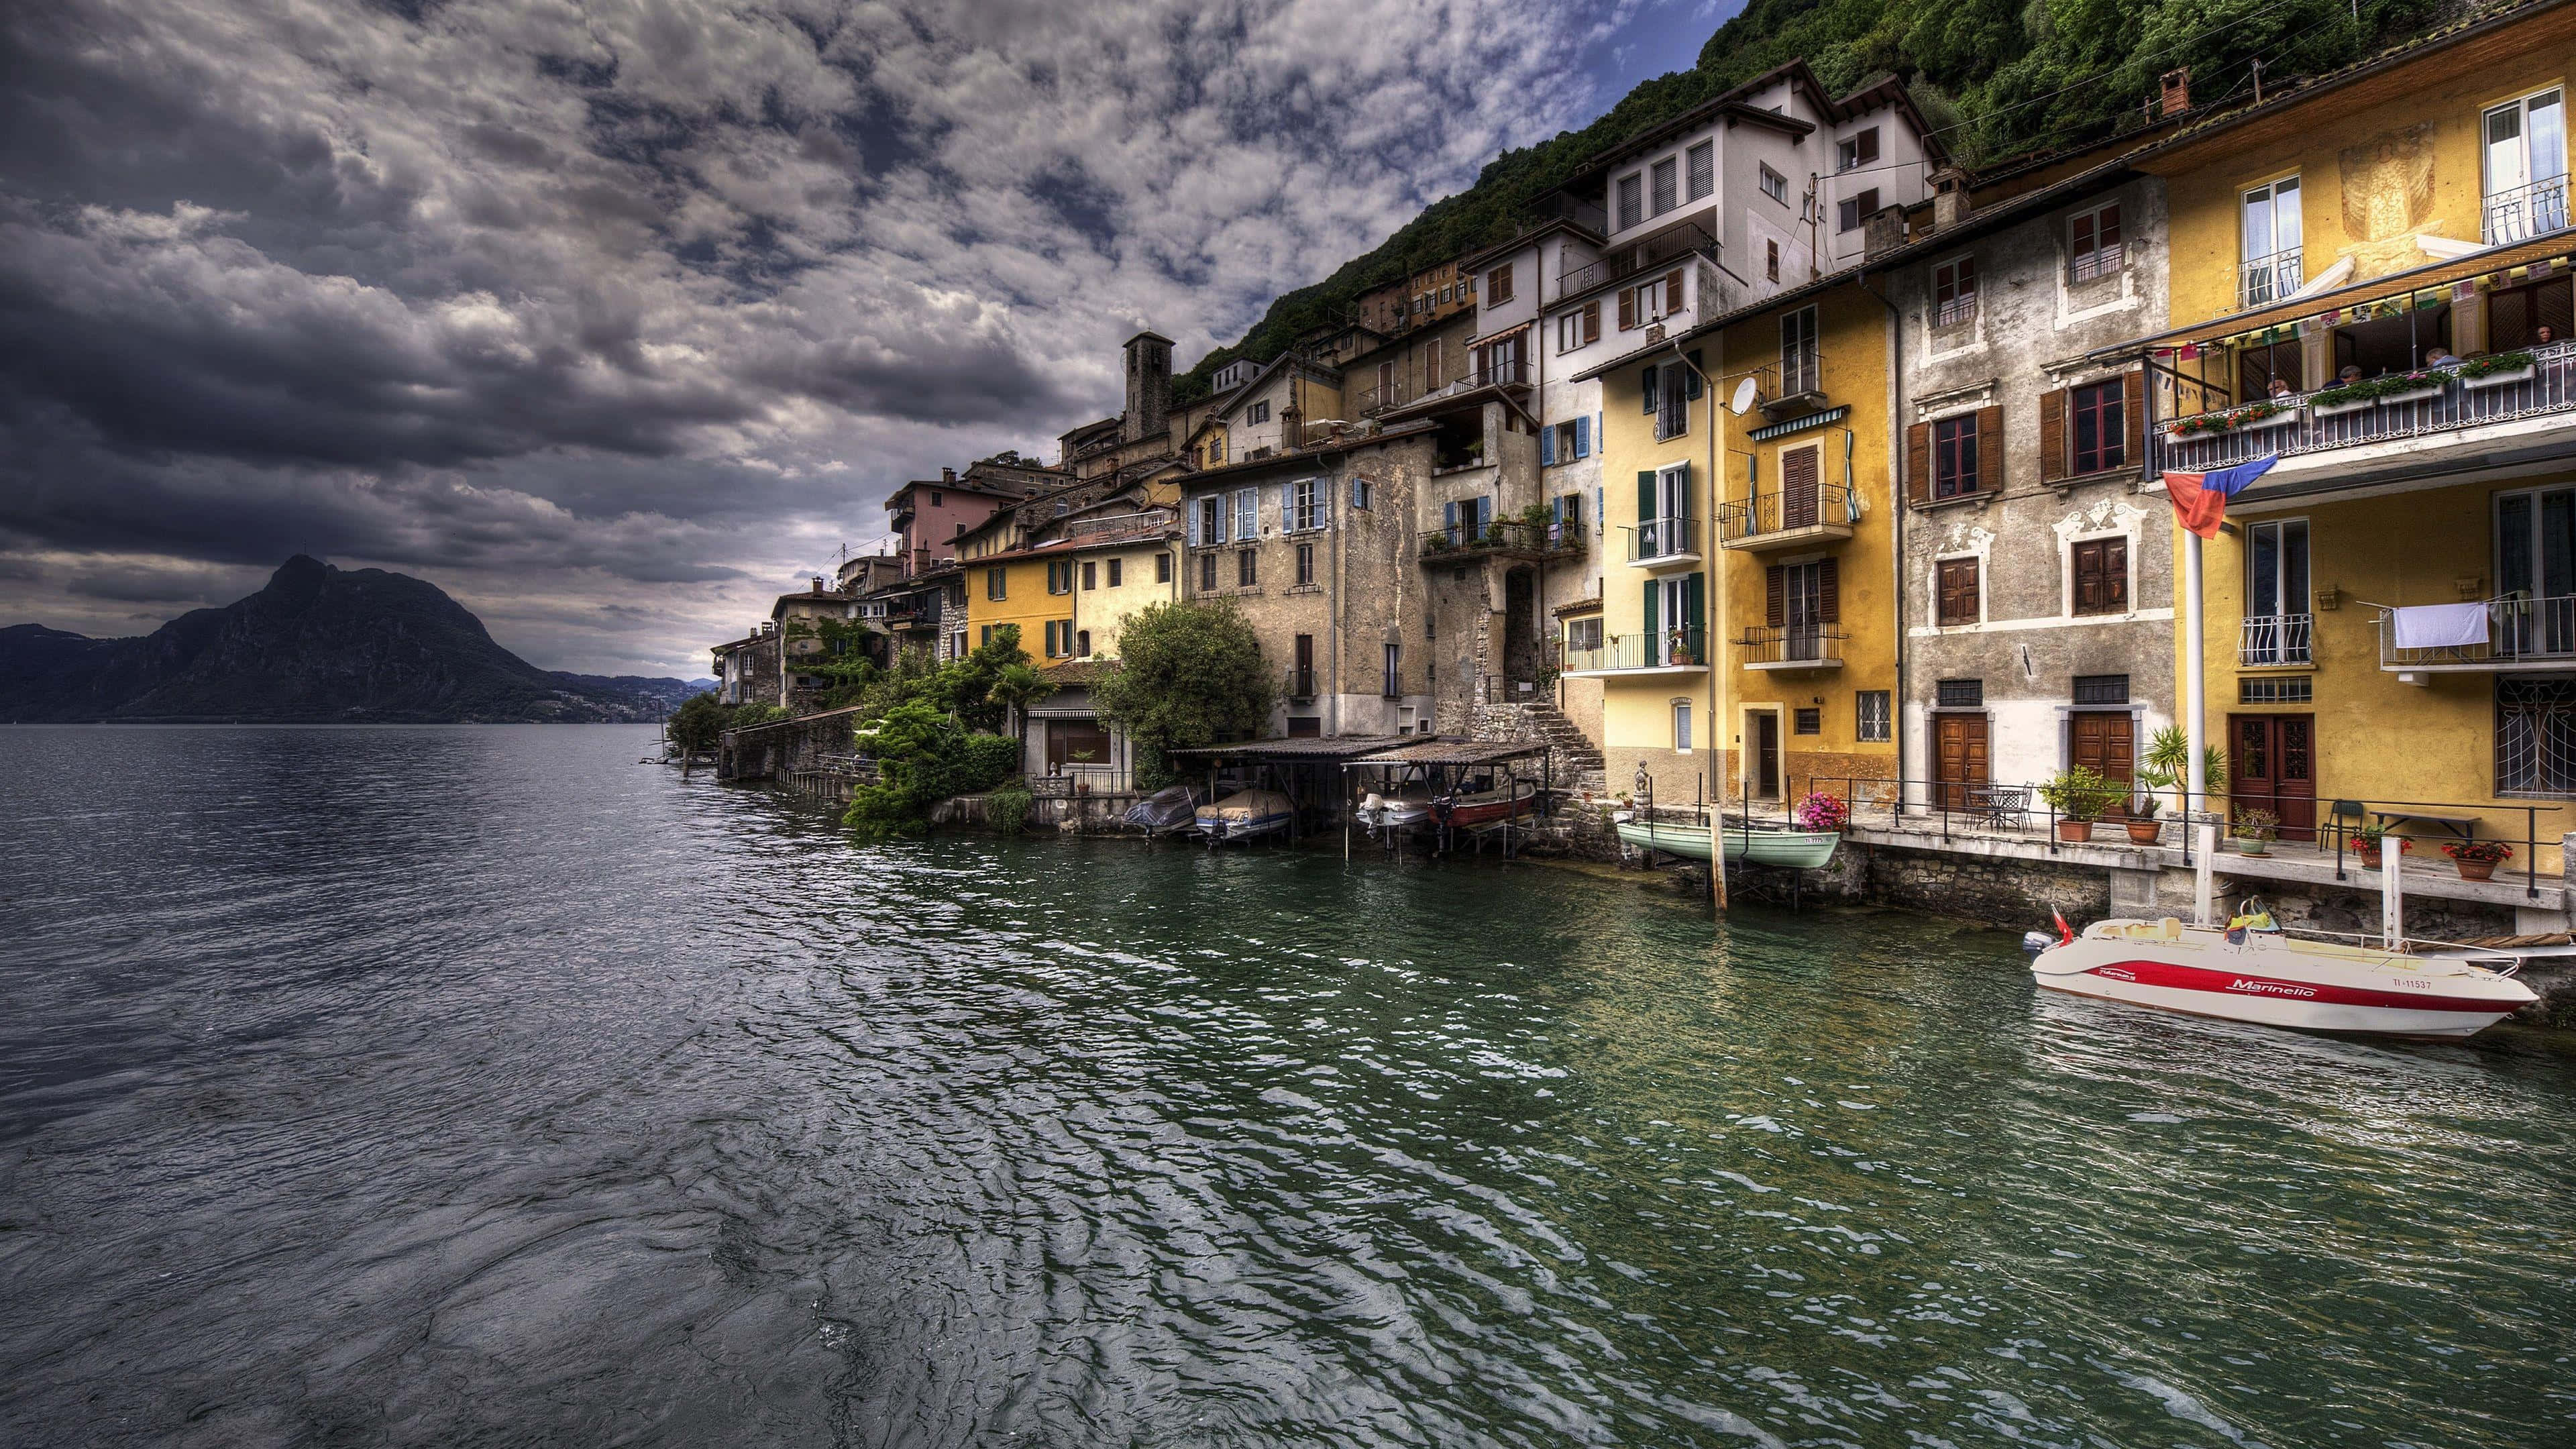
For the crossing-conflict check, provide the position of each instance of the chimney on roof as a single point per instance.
(2177, 91)
(1949, 198)
(818, 583)
(1149, 387)
(947, 475)
(1882, 232)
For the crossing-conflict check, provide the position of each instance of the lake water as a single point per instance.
(482, 1085)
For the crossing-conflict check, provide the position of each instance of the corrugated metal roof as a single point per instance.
(1445, 751)
(1319, 748)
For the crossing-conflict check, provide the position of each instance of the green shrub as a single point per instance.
(1007, 810)
(923, 757)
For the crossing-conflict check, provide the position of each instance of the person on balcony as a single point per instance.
(2351, 374)
(2441, 356)
(2280, 387)
(2543, 335)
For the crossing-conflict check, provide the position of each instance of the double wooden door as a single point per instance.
(2271, 765)
(1959, 756)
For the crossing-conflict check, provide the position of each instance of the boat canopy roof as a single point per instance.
(1316, 749)
(1447, 751)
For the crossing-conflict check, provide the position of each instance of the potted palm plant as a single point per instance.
(2079, 795)
(2166, 765)
(2254, 830)
(2144, 827)
(2478, 859)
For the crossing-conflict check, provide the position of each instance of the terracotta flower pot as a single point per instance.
(2075, 832)
(2476, 869)
(2145, 832)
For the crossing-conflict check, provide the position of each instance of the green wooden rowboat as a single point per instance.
(1798, 849)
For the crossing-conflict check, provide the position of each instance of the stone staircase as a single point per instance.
(1578, 762)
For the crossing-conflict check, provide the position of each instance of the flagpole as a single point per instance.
(2196, 772)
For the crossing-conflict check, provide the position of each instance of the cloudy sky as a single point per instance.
(612, 319)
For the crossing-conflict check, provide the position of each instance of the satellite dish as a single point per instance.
(1745, 392)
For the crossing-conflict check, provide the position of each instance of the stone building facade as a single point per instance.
(2037, 575)
(1317, 548)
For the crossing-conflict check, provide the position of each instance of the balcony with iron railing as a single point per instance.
(1668, 650)
(1792, 647)
(1108, 528)
(2524, 212)
(2262, 281)
(1661, 543)
(2275, 641)
(1671, 244)
(1517, 537)
(2521, 631)
(1557, 206)
(2443, 399)
(1819, 512)
(1299, 685)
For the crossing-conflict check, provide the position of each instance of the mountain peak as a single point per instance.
(299, 580)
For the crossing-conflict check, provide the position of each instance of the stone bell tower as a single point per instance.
(1149, 386)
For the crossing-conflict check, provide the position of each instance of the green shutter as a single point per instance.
(1645, 495)
(1654, 622)
(1648, 386)
(1689, 499)
(1694, 602)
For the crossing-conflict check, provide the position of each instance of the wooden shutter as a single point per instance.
(2133, 417)
(1918, 463)
(1775, 596)
(1627, 309)
(2088, 578)
(1798, 488)
(1583, 436)
(1990, 449)
(1958, 591)
(2115, 576)
(2052, 435)
(1652, 375)
(1829, 591)
(1645, 495)
(1695, 604)
(1547, 446)
(1654, 622)
(1673, 291)
(1691, 375)
(1591, 322)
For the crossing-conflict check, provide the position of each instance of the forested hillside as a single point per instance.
(2000, 77)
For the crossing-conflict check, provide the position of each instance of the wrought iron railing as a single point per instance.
(2299, 423)
(1300, 682)
(1664, 649)
(1512, 534)
(2099, 262)
(2272, 640)
(1792, 644)
(1785, 511)
(1676, 536)
(1627, 261)
(2525, 212)
(2520, 629)
(2261, 281)
(1557, 206)
(1957, 310)
(1802, 370)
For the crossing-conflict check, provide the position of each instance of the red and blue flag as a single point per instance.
(2200, 499)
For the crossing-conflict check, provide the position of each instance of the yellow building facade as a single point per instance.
(2389, 617)
(1748, 643)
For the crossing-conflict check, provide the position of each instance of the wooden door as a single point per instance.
(2271, 765)
(2106, 742)
(1958, 756)
(1766, 755)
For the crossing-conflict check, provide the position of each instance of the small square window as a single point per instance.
(1807, 721)
(1775, 185)
(1962, 693)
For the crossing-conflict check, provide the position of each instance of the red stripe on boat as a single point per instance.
(2234, 983)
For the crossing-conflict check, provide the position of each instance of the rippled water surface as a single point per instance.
(485, 1086)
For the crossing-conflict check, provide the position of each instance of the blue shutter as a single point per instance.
(1583, 436)
(1449, 519)
(1600, 508)
(1547, 447)
(1194, 523)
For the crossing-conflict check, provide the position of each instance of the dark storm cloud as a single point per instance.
(618, 318)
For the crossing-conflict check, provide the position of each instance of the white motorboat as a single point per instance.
(1244, 814)
(2272, 978)
(1407, 807)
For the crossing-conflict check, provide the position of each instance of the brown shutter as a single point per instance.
(1673, 290)
(1829, 591)
(1918, 463)
(1591, 321)
(1775, 605)
(1627, 310)
(2133, 418)
(2052, 435)
(2088, 578)
(2115, 576)
(1990, 450)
